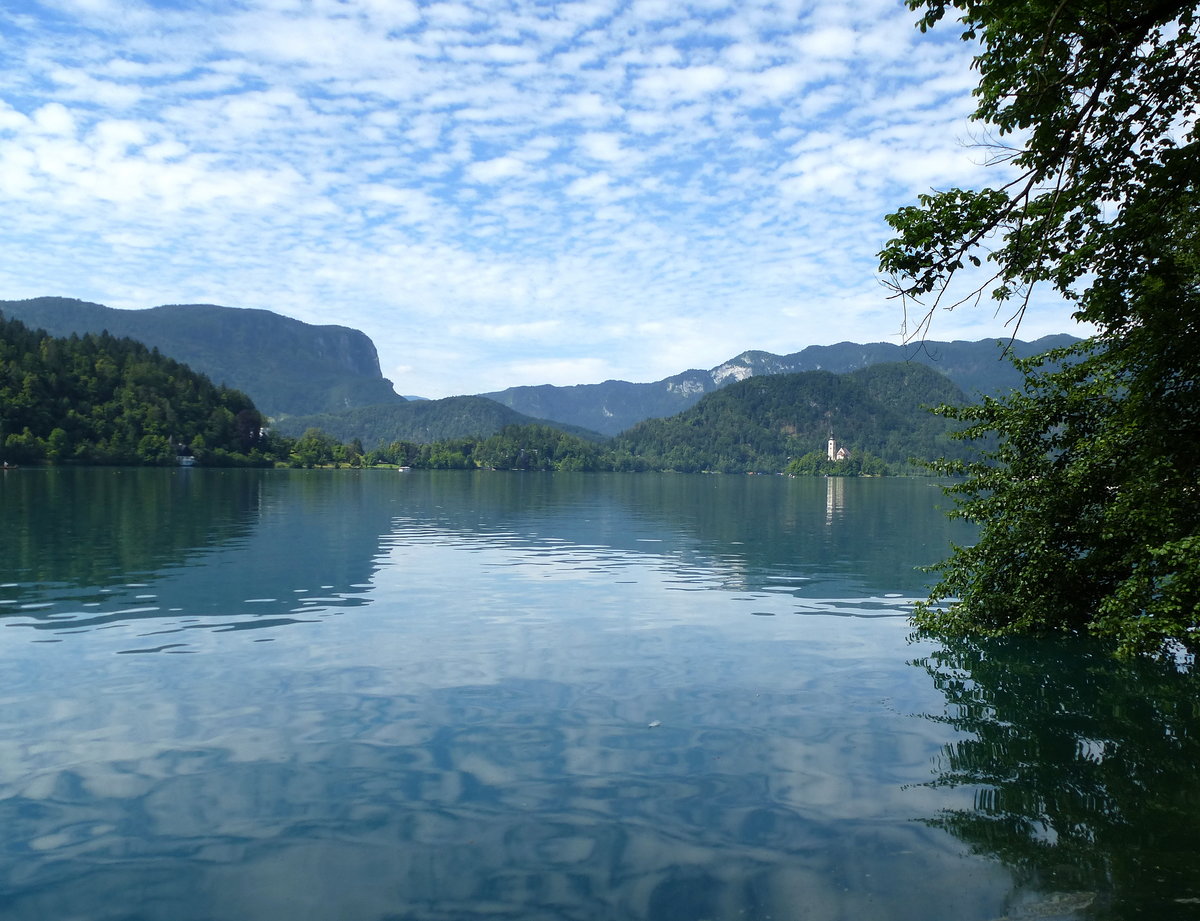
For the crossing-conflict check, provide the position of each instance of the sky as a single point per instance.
(497, 193)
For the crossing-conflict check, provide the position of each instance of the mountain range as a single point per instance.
(611, 407)
(419, 421)
(304, 375)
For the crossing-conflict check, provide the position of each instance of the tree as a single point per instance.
(1089, 504)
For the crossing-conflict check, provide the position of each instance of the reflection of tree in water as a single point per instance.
(97, 526)
(1085, 768)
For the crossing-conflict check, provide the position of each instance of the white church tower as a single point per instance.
(832, 448)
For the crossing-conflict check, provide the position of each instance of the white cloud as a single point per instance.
(587, 106)
(11, 119)
(589, 186)
(682, 81)
(602, 146)
(557, 371)
(831, 42)
(77, 85)
(391, 14)
(495, 169)
(503, 332)
(54, 118)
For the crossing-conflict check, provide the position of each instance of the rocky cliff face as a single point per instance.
(287, 367)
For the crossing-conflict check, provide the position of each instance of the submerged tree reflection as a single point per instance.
(1084, 769)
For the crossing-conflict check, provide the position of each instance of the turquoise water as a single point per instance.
(371, 695)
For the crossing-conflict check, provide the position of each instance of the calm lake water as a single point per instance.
(352, 695)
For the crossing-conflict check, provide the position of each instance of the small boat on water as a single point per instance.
(404, 469)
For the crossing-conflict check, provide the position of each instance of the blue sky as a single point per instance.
(497, 193)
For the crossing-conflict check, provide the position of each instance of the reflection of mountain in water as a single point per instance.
(1084, 769)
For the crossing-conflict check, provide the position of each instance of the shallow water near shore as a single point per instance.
(374, 695)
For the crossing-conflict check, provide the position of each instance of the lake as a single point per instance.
(375, 695)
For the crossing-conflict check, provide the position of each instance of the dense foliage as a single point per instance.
(514, 447)
(101, 400)
(764, 423)
(1089, 506)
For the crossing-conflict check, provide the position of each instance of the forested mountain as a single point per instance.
(763, 423)
(418, 421)
(102, 400)
(285, 366)
(613, 406)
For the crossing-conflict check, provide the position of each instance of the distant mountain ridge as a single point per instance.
(420, 421)
(285, 366)
(614, 406)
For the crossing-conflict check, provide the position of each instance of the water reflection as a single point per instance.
(108, 527)
(87, 549)
(358, 793)
(477, 696)
(1082, 770)
(195, 550)
(835, 498)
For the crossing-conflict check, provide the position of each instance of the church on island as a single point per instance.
(836, 453)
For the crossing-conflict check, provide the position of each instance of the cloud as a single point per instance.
(495, 169)
(595, 185)
(55, 119)
(504, 332)
(682, 81)
(559, 372)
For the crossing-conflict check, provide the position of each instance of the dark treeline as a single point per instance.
(514, 447)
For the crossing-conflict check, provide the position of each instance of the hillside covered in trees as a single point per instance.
(764, 423)
(773, 424)
(419, 421)
(101, 400)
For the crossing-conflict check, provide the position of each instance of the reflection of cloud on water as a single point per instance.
(529, 798)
